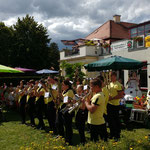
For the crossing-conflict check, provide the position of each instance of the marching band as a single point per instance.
(57, 100)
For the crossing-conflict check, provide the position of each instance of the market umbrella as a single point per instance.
(114, 63)
(5, 69)
(25, 69)
(46, 71)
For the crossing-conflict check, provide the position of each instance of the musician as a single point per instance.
(116, 93)
(22, 101)
(31, 101)
(81, 115)
(64, 119)
(96, 108)
(106, 95)
(40, 104)
(51, 102)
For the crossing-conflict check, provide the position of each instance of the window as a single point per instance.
(133, 32)
(141, 30)
(147, 29)
(140, 42)
(143, 78)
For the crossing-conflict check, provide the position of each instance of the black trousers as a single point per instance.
(22, 106)
(39, 111)
(80, 123)
(51, 116)
(65, 120)
(114, 121)
(31, 109)
(98, 130)
(60, 123)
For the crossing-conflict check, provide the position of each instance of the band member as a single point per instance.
(40, 104)
(31, 102)
(22, 101)
(96, 108)
(116, 93)
(64, 119)
(51, 103)
(81, 116)
(106, 95)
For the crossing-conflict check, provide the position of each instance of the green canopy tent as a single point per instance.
(5, 69)
(114, 63)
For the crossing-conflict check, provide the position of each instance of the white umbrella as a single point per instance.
(46, 71)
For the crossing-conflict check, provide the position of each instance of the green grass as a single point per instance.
(14, 136)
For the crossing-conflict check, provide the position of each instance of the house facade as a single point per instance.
(113, 38)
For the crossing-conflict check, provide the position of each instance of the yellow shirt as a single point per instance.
(19, 97)
(114, 88)
(54, 93)
(96, 118)
(42, 89)
(28, 96)
(69, 93)
(106, 95)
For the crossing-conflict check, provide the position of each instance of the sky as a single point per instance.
(72, 19)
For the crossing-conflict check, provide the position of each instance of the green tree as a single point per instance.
(6, 35)
(53, 56)
(30, 46)
(73, 71)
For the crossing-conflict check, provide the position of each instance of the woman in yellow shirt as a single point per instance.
(65, 119)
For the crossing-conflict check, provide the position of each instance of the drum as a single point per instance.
(138, 115)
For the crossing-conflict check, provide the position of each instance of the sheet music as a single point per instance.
(47, 94)
(54, 86)
(85, 87)
(66, 99)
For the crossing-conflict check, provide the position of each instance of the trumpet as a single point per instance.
(77, 104)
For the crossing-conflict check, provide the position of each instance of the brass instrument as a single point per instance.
(66, 108)
(77, 104)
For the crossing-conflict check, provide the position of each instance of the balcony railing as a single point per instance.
(71, 52)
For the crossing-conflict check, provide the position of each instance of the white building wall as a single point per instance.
(142, 54)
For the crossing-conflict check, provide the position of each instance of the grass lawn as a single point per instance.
(14, 136)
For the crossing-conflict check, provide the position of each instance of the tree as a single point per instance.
(73, 71)
(30, 47)
(53, 56)
(6, 35)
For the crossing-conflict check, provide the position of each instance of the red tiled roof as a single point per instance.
(101, 33)
(110, 30)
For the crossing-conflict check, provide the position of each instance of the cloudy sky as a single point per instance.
(71, 19)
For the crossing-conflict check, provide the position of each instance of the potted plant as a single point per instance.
(105, 45)
(138, 38)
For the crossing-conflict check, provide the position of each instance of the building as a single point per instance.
(112, 38)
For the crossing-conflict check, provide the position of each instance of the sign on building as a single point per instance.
(122, 45)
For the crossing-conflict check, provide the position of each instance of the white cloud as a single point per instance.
(71, 19)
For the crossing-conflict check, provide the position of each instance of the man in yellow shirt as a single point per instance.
(96, 108)
(115, 94)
